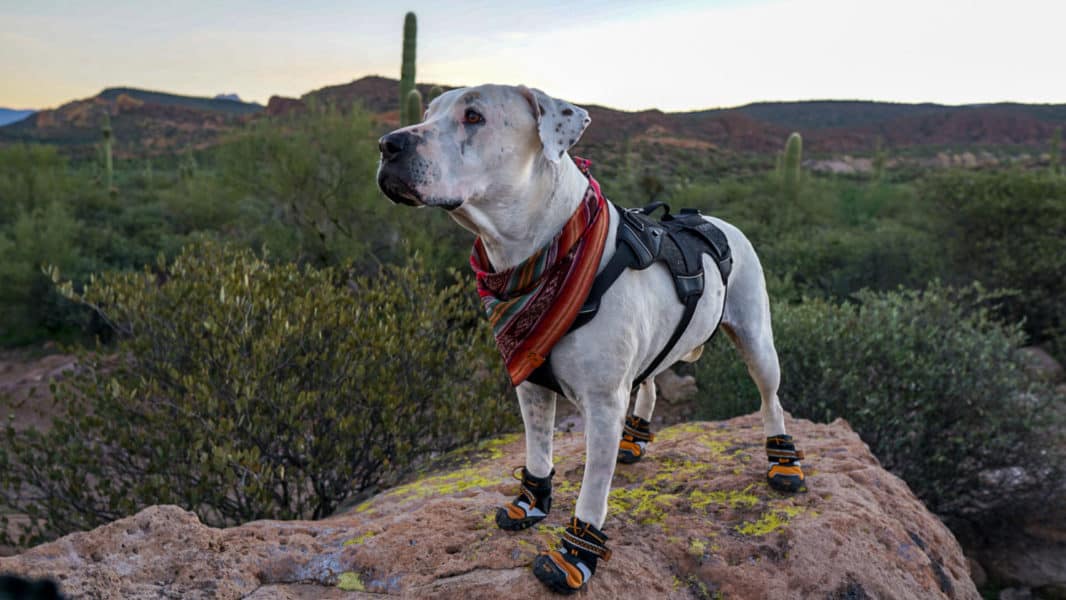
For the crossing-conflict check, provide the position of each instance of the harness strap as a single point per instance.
(686, 318)
(623, 257)
(632, 252)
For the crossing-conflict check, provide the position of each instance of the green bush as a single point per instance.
(36, 227)
(1008, 229)
(929, 380)
(242, 390)
(316, 174)
(837, 262)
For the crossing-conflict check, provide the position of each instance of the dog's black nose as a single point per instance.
(393, 144)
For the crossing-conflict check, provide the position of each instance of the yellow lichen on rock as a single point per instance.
(494, 446)
(448, 483)
(361, 539)
(770, 521)
(700, 499)
(350, 582)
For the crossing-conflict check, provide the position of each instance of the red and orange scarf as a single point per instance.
(532, 305)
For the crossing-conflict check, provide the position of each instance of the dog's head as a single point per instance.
(476, 143)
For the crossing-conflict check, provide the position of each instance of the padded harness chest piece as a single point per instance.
(679, 242)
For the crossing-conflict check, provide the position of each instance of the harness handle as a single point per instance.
(654, 206)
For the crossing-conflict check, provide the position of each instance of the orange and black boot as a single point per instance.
(786, 472)
(635, 437)
(533, 503)
(567, 569)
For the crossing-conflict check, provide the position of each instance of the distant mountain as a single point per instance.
(192, 102)
(11, 115)
(145, 122)
(148, 122)
(376, 94)
(828, 126)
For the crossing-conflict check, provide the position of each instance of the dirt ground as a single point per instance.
(24, 396)
(24, 381)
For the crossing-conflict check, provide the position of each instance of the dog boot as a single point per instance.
(567, 569)
(635, 437)
(786, 473)
(533, 503)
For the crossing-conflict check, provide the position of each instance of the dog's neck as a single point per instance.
(523, 219)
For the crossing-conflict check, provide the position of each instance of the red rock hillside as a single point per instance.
(695, 520)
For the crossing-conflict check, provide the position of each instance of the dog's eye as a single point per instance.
(472, 117)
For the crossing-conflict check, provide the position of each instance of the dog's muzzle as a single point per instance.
(394, 151)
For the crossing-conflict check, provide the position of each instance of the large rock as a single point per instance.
(674, 388)
(1041, 365)
(694, 520)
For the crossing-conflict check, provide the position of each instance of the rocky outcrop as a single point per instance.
(1041, 365)
(279, 106)
(694, 520)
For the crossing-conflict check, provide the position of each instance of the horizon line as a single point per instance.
(583, 104)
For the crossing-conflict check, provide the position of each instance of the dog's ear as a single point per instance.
(559, 123)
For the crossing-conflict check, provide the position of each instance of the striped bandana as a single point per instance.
(533, 304)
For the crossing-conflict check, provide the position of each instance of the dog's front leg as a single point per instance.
(534, 497)
(568, 568)
(538, 415)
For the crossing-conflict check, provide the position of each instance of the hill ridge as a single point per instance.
(157, 122)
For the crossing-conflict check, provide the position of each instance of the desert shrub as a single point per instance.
(242, 389)
(315, 173)
(837, 262)
(1008, 229)
(36, 226)
(307, 188)
(928, 379)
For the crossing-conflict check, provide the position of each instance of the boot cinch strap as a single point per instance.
(637, 435)
(588, 541)
(535, 493)
(567, 569)
(780, 448)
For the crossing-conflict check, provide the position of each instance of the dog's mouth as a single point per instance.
(398, 190)
(401, 192)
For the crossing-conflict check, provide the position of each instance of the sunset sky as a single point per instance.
(626, 54)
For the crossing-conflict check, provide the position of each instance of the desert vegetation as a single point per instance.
(262, 335)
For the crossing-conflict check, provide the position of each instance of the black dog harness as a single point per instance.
(678, 241)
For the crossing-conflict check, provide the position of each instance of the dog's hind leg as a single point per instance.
(747, 323)
(637, 430)
(568, 568)
(535, 495)
(756, 345)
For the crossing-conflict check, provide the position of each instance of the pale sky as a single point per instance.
(626, 54)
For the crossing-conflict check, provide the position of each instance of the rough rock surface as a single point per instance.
(693, 520)
(1041, 364)
(674, 388)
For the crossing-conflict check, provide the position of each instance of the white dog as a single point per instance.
(495, 158)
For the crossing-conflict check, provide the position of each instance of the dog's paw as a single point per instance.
(635, 437)
(786, 472)
(630, 452)
(567, 569)
(787, 478)
(514, 518)
(558, 574)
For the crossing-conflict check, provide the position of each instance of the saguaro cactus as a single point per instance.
(413, 107)
(407, 68)
(790, 174)
(879, 160)
(434, 92)
(108, 166)
(1056, 151)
